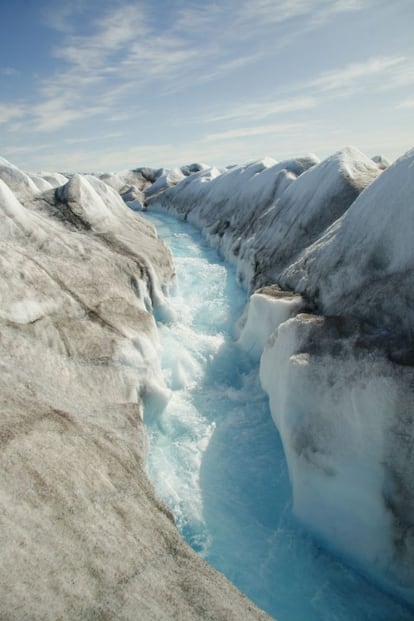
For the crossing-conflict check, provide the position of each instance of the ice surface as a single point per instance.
(338, 233)
(81, 280)
(53, 178)
(190, 169)
(82, 534)
(381, 161)
(267, 309)
(10, 206)
(217, 460)
(18, 181)
(363, 264)
(336, 407)
(263, 214)
(167, 178)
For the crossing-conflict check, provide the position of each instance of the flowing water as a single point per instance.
(217, 461)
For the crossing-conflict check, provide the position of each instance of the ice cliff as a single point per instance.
(82, 534)
(326, 250)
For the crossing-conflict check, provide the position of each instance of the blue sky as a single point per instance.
(107, 85)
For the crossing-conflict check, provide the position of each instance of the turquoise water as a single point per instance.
(217, 461)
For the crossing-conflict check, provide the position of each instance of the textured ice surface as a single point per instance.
(263, 214)
(82, 534)
(363, 265)
(266, 310)
(338, 233)
(218, 462)
(340, 407)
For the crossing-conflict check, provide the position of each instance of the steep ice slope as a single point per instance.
(82, 534)
(166, 179)
(340, 386)
(130, 184)
(308, 206)
(349, 443)
(364, 263)
(53, 178)
(135, 185)
(345, 415)
(19, 182)
(264, 214)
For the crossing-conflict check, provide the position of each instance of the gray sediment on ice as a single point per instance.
(82, 533)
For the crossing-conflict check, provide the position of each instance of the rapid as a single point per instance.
(217, 461)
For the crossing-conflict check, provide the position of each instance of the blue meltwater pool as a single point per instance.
(217, 461)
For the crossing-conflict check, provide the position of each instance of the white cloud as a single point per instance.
(56, 113)
(28, 148)
(257, 110)
(58, 15)
(11, 112)
(402, 76)
(89, 139)
(406, 104)
(113, 32)
(124, 52)
(8, 71)
(356, 75)
(259, 130)
(267, 12)
(195, 19)
(126, 63)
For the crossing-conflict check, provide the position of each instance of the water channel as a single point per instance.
(217, 461)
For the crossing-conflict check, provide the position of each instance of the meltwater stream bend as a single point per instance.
(217, 461)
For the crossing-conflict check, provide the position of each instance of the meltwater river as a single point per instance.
(217, 461)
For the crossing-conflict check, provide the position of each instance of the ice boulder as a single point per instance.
(190, 169)
(381, 161)
(133, 197)
(167, 178)
(127, 179)
(266, 310)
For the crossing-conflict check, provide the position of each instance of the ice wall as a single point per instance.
(263, 214)
(266, 310)
(363, 264)
(336, 235)
(344, 412)
(82, 534)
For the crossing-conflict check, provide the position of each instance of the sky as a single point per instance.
(99, 85)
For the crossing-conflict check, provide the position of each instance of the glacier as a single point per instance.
(323, 250)
(336, 359)
(82, 532)
(216, 458)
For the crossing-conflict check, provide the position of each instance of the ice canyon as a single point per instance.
(322, 254)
